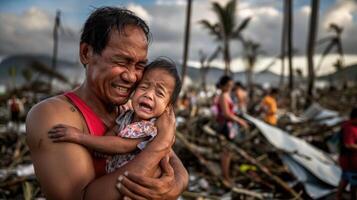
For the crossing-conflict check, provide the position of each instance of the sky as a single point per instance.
(26, 28)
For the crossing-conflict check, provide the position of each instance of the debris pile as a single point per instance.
(268, 162)
(17, 177)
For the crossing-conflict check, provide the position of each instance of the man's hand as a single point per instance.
(64, 133)
(140, 187)
(166, 126)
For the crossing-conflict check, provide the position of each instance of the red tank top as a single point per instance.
(220, 117)
(95, 126)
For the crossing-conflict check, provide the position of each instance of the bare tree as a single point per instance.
(289, 15)
(187, 40)
(314, 18)
(283, 44)
(55, 45)
(205, 62)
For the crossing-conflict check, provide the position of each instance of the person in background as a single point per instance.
(227, 121)
(15, 106)
(348, 156)
(269, 107)
(240, 94)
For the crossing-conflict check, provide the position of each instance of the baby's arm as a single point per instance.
(105, 144)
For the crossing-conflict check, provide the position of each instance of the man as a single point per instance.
(348, 156)
(113, 49)
(269, 107)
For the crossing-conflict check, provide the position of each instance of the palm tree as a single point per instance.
(12, 73)
(226, 28)
(251, 51)
(334, 41)
(205, 62)
(187, 40)
(311, 48)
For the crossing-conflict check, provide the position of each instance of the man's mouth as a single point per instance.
(120, 88)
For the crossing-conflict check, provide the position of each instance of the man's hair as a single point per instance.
(353, 114)
(169, 66)
(223, 81)
(102, 21)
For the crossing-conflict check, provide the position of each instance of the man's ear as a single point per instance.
(85, 53)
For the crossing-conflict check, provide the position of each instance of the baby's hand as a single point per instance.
(64, 133)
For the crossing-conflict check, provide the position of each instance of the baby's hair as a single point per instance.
(169, 66)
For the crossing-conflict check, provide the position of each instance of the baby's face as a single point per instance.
(153, 94)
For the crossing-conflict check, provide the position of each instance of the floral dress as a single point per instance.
(126, 129)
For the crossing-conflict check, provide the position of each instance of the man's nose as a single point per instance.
(129, 76)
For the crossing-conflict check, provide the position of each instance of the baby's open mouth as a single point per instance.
(145, 106)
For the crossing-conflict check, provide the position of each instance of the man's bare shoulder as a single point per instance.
(56, 103)
(63, 169)
(48, 113)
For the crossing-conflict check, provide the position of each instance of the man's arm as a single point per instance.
(352, 147)
(128, 183)
(105, 144)
(63, 169)
(168, 186)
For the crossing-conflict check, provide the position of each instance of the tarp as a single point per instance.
(317, 112)
(312, 159)
(314, 187)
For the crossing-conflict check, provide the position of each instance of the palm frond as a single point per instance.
(241, 27)
(222, 19)
(212, 28)
(214, 54)
(230, 15)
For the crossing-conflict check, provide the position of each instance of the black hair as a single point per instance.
(353, 114)
(169, 66)
(103, 20)
(274, 91)
(238, 84)
(223, 81)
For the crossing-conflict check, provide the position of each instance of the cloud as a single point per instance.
(31, 33)
(140, 11)
(171, 2)
(340, 13)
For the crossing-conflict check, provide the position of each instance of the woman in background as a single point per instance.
(228, 122)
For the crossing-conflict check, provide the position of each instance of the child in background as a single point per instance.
(156, 93)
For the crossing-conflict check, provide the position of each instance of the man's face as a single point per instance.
(113, 74)
(153, 94)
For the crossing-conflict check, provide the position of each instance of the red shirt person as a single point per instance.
(348, 156)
